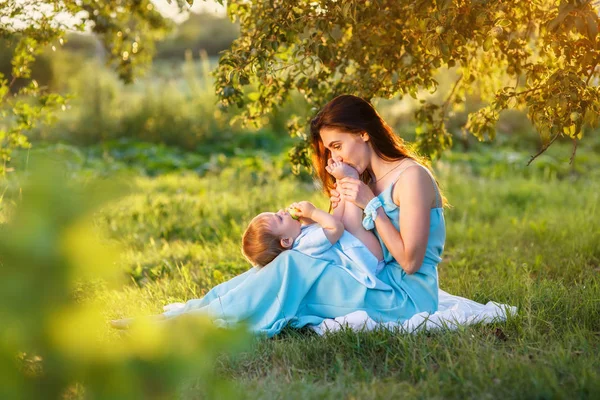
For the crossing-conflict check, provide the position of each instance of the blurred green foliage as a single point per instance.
(175, 106)
(126, 29)
(51, 68)
(200, 32)
(54, 340)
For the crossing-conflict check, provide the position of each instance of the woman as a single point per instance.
(393, 187)
(297, 289)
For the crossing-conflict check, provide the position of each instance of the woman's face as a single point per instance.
(352, 148)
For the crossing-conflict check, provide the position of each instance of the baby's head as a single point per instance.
(267, 235)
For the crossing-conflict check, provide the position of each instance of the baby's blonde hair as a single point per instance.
(259, 245)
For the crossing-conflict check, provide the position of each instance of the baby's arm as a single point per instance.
(338, 212)
(351, 215)
(332, 227)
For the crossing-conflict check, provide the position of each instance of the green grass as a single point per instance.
(527, 238)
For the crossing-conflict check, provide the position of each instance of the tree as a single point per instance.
(127, 29)
(537, 55)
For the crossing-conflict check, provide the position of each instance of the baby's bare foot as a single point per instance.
(126, 323)
(341, 170)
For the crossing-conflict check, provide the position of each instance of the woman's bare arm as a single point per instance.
(414, 192)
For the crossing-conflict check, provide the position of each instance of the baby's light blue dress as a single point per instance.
(348, 252)
(298, 289)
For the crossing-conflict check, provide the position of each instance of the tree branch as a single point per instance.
(543, 149)
(447, 102)
(527, 91)
(574, 150)
(10, 85)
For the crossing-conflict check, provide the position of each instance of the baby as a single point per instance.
(339, 237)
(305, 228)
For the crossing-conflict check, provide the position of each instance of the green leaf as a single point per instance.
(445, 49)
(488, 44)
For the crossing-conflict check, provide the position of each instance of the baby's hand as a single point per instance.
(339, 169)
(302, 209)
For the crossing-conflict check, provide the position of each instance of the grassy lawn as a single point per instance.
(527, 238)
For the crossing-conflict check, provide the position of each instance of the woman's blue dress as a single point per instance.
(297, 289)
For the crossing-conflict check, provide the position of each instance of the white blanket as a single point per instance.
(452, 312)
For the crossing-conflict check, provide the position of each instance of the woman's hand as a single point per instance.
(355, 191)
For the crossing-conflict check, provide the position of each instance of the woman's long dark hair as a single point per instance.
(355, 115)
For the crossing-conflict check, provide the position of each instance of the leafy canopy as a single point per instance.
(537, 55)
